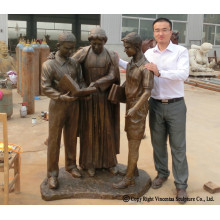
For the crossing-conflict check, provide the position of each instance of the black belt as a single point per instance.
(168, 101)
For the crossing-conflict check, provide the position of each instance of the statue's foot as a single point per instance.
(91, 172)
(113, 170)
(75, 172)
(124, 183)
(53, 182)
(123, 172)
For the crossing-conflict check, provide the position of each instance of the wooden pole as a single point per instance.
(3, 118)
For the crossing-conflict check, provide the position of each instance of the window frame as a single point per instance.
(211, 24)
(153, 19)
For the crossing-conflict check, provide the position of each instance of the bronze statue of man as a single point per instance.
(100, 119)
(138, 85)
(63, 109)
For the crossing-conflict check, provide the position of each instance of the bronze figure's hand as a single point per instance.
(51, 56)
(130, 112)
(93, 84)
(67, 98)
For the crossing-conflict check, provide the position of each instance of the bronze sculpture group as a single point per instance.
(85, 94)
(93, 116)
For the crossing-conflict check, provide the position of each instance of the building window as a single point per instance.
(85, 30)
(129, 25)
(212, 19)
(211, 29)
(181, 28)
(142, 24)
(51, 30)
(173, 17)
(17, 29)
(217, 36)
(141, 15)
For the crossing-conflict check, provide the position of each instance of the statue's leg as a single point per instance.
(70, 135)
(56, 122)
(133, 155)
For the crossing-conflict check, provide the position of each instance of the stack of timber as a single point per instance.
(205, 83)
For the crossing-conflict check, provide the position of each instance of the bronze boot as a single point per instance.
(91, 172)
(53, 182)
(124, 183)
(113, 170)
(75, 172)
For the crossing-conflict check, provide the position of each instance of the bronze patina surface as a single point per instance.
(97, 187)
(100, 119)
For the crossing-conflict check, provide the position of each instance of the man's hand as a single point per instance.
(67, 98)
(153, 67)
(130, 112)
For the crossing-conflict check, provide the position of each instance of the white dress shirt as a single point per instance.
(123, 64)
(173, 66)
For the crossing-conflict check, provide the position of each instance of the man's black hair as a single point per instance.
(162, 19)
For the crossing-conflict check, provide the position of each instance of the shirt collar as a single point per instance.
(140, 62)
(60, 60)
(169, 47)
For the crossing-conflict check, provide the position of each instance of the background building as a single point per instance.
(193, 28)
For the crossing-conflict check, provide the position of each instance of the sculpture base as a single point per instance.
(204, 74)
(97, 187)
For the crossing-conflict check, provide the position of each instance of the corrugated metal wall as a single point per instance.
(194, 29)
(111, 23)
(4, 27)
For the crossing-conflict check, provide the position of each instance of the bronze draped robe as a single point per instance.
(99, 118)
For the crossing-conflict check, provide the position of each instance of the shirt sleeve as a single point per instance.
(182, 70)
(123, 64)
(148, 79)
(46, 82)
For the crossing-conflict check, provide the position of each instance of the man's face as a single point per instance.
(97, 45)
(130, 50)
(162, 32)
(66, 49)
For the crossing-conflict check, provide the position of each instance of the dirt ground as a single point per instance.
(203, 150)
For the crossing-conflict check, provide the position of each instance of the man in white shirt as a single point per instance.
(167, 110)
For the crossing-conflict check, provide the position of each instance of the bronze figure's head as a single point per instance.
(132, 43)
(66, 44)
(97, 39)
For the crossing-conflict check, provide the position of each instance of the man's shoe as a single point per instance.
(113, 170)
(158, 182)
(91, 172)
(181, 196)
(124, 183)
(52, 182)
(123, 172)
(75, 172)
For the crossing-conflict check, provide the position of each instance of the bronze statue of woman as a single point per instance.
(100, 119)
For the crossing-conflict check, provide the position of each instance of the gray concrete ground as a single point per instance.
(203, 150)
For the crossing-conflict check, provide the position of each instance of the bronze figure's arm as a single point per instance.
(46, 81)
(141, 101)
